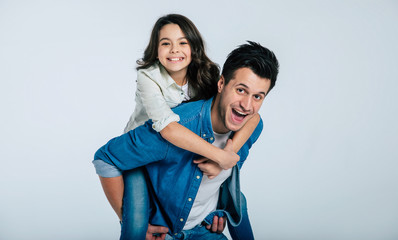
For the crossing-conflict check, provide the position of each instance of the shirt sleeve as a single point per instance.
(154, 102)
(105, 169)
(136, 148)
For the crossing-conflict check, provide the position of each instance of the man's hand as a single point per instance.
(218, 224)
(209, 168)
(229, 158)
(156, 232)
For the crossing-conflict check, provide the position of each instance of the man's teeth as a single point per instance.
(241, 113)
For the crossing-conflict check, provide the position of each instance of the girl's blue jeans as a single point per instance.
(135, 205)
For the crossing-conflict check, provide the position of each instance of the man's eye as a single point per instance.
(240, 90)
(257, 97)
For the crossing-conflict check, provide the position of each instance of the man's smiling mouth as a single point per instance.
(238, 115)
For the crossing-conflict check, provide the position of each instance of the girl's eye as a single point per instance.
(183, 43)
(164, 43)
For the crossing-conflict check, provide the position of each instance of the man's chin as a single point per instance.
(236, 126)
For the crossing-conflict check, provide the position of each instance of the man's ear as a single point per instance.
(220, 84)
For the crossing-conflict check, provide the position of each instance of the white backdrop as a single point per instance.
(325, 166)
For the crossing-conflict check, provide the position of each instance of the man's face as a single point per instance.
(239, 100)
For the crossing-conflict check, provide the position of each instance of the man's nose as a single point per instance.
(246, 102)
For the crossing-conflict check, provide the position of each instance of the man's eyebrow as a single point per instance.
(245, 86)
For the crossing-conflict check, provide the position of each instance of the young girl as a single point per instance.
(174, 69)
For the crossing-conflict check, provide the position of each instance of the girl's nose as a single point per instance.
(174, 49)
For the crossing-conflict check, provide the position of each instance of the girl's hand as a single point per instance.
(209, 168)
(228, 158)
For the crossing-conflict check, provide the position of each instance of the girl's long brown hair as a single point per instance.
(202, 73)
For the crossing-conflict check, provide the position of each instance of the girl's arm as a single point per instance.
(241, 136)
(182, 137)
(151, 91)
(212, 169)
(165, 121)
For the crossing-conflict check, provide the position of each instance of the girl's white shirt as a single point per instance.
(156, 93)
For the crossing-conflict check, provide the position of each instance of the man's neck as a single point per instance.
(215, 116)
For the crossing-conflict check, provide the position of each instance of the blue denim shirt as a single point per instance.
(174, 178)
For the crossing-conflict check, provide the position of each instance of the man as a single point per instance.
(182, 196)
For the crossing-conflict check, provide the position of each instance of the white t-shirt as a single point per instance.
(207, 196)
(185, 90)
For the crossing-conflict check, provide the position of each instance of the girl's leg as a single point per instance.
(135, 205)
(244, 230)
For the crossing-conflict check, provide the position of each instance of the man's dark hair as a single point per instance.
(252, 55)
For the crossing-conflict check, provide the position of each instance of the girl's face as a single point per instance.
(174, 52)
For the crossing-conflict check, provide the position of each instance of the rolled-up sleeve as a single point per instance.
(154, 102)
(133, 149)
(106, 170)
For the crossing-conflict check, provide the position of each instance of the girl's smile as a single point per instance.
(174, 52)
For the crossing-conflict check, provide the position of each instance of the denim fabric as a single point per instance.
(243, 231)
(106, 170)
(173, 177)
(135, 205)
(239, 230)
(197, 233)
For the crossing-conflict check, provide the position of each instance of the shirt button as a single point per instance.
(204, 135)
(211, 138)
(181, 219)
(198, 177)
(189, 199)
(175, 234)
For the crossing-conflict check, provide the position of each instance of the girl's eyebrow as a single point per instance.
(169, 39)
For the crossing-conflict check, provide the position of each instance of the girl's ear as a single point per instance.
(220, 84)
